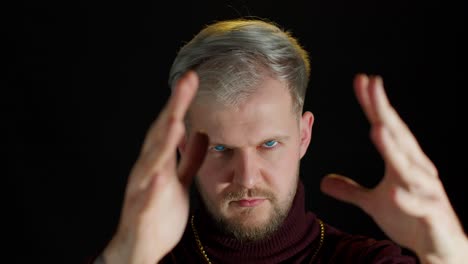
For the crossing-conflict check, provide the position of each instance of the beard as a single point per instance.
(238, 225)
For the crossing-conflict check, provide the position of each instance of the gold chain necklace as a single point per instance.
(207, 259)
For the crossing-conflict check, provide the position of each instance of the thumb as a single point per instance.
(193, 158)
(344, 189)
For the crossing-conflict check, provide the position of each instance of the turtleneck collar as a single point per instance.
(293, 239)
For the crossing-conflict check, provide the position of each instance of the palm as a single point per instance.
(385, 210)
(162, 218)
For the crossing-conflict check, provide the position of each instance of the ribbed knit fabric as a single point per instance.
(294, 242)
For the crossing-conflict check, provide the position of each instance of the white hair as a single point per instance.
(231, 57)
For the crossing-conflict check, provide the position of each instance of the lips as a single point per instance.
(249, 202)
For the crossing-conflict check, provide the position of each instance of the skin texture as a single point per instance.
(409, 204)
(262, 141)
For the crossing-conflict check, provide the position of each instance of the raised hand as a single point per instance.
(409, 204)
(156, 204)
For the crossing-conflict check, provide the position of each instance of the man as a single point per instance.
(236, 116)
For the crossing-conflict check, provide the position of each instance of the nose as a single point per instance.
(246, 169)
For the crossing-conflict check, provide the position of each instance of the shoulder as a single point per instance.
(342, 247)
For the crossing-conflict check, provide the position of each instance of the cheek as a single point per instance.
(213, 169)
(284, 167)
(212, 176)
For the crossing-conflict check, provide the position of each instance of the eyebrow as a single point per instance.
(280, 138)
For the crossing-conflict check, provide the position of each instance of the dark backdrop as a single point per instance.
(86, 79)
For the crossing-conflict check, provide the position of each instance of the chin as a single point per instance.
(252, 226)
(248, 224)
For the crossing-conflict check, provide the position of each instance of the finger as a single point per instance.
(156, 163)
(361, 90)
(160, 146)
(345, 189)
(183, 94)
(173, 112)
(387, 116)
(392, 155)
(405, 170)
(193, 157)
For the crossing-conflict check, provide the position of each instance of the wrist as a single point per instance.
(125, 251)
(455, 253)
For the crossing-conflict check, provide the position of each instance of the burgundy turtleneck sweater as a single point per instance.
(296, 241)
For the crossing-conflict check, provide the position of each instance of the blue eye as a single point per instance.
(270, 143)
(219, 148)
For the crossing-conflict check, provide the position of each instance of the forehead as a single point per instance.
(267, 111)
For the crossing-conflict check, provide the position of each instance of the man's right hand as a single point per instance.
(156, 205)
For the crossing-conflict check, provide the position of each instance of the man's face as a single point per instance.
(249, 176)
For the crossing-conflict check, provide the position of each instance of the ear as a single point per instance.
(305, 131)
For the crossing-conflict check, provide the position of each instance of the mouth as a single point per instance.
(251, 202)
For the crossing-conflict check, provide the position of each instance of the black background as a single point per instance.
(86, 79)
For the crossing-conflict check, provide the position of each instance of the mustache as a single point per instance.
(246, 193)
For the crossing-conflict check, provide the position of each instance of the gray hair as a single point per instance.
(232, 56)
